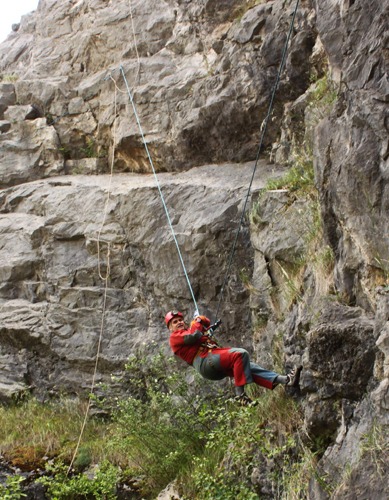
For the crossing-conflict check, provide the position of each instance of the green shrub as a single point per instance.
(300, 176)
(162, 429)
(62, 486)
(12, 490)
(168, 431)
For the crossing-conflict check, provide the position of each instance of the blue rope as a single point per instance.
(281, 68)
(159, 189)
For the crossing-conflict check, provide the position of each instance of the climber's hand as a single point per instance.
(203, 320)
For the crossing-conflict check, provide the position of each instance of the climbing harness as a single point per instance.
(211, 330)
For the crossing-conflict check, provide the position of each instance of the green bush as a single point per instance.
(63, 486)
(300, 176)
(12, 490)
(162, 429)
(169, 430)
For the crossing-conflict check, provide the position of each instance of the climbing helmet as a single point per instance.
(172, 314)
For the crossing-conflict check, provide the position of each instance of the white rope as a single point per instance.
(135, 41)
(105, 279)
(151, 161)
(160, 191)
(108, 199)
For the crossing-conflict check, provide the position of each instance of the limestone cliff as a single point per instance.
(311, 271)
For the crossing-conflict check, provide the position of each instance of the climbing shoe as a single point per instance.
(294, 377)
(244, 400)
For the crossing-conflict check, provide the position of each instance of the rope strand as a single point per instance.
(159, 188)
(105, 279)
(263, 129)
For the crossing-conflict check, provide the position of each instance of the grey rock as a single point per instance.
(19, 113)
(201, 75)
(7, 97)
(183, 127)
(86, 166)
(77, 106)
(13, 369)
(169, 493)
(51, 288)
(4, 126)
(30, 150)
(364, 144)
(347, 338)
(252, 23)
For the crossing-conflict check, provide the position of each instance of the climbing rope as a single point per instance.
(150, 159)
(263, 132)
(159, 187)
(105, 279)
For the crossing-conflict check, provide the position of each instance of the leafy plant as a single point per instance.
(165, 431)
(12, 490)
(161, 429)
(92, 149)
(61, 486)
(65, 151)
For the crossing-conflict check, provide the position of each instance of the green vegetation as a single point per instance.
(241, 11)
(9, 78)
(31, 431)
(291, 278)
(65, 152)
(165, 431)
(12, 490)
(322, 97)
(376, 444)
(300, 176)
(92, 149)
(373, 450)
(102, 485)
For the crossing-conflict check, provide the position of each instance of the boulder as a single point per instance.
(30, 150)
(7, 97)
(19, 113)
(4, 126)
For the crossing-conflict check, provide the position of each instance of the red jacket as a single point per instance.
(186, 343)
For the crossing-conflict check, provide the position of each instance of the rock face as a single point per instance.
(311, 271)
(356, 134)
(213, 86)
(62, 237)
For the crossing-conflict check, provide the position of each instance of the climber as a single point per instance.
(195, 346)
